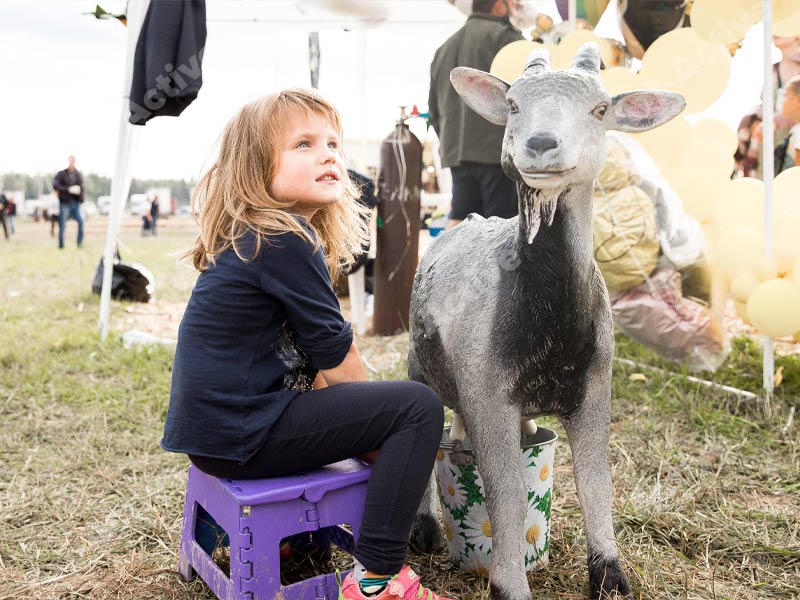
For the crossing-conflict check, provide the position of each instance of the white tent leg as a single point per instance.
(769, 174)
(120, 184)
(358, 300)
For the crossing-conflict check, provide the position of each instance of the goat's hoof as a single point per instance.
(426, 535)
(498, 593)
(607, 580)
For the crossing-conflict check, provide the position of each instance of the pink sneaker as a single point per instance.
(405, 586)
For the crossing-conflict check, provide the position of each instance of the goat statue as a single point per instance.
(510, 318)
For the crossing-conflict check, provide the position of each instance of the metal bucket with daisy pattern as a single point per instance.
(465, 519)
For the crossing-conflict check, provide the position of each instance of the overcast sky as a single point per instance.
(61, 92)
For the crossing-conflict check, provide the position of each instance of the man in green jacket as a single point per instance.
(470, 145)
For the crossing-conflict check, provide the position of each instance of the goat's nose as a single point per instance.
(541, 143)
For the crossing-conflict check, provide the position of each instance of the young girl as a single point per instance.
(267, 380)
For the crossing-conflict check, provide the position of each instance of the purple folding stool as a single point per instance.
(257, 514)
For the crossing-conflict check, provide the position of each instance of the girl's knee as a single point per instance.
(425, 404)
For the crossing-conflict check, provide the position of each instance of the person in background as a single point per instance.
(787, 68)
(3, 206)
(470, 145)
(154, 212)
(69, 185)
(787, 128)
(11, 212)
(52, 213)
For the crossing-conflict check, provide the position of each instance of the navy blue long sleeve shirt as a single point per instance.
(252, 338)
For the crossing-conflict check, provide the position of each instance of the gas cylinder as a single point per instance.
(397, 242)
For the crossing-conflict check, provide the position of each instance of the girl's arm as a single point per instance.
(349, 370)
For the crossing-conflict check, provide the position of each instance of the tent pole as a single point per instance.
(120, 184)
(769, 174)
(572, 14)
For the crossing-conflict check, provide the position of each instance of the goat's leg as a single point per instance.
(494, 430)
(426, 534)
(588, 433)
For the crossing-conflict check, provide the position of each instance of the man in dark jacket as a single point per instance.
(3, 205)
(470, 145)
(69, 186)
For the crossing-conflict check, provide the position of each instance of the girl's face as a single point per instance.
(310, 168)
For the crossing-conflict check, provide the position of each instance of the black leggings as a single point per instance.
(402, 419)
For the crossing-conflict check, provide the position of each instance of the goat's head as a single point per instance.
(556, 120)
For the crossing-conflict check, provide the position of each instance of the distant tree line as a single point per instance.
(96, 185)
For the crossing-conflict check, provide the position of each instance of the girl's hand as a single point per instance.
(319, 381)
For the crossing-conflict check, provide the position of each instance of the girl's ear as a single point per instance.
(483, 93)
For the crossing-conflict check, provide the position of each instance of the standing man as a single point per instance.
(3, 206)
(69, 185)
(470, 145)
(154, 212)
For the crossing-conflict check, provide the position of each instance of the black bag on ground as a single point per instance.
(129, 281)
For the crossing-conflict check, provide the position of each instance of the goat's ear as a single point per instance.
(634, 112)
(483, 93)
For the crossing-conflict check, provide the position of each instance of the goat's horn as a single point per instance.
(538, 61)
(588, 58)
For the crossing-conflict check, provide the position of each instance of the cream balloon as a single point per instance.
(683, 62)
(785, 18)
(711, 157)
(765, 269)
(788, 229)
(740, 204)
(742, 285)
(796, 271)
(774, 307)
(569, 45)
(618, 80)
(741, 311)
(724, 22)
(698, 191)
(666, 143)
(787, 192)
(510, 61)
(738, 250)
(785, 256)
(715, 130)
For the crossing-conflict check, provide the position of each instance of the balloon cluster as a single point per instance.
(697, 160)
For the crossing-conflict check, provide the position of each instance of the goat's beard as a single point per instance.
(538, 206)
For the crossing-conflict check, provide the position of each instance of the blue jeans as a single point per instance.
(66, 211)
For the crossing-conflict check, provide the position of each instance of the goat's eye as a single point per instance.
(513, 107)
(600, 111)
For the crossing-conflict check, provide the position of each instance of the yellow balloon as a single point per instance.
(787, 192)
(509, 63)
(796, 271)
(683, 62)
(737, 251)
(788, 228)
(709, 156)
(698, 191)
(666, 143)
(568, 47)
(618, 80)
(716, 131)
(785, 18)
(786, 254)
(774, 307)
(722, 21)
(740, 204)
(742, 285)
(741, 311)
(766, 269)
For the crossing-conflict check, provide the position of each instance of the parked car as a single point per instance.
(104, 205)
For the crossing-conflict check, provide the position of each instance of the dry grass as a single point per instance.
(707, 487)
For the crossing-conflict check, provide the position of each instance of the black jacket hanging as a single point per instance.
(167, 66)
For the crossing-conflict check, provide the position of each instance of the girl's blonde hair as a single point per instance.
(234, 197)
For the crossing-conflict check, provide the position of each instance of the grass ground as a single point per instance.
(707, 488)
